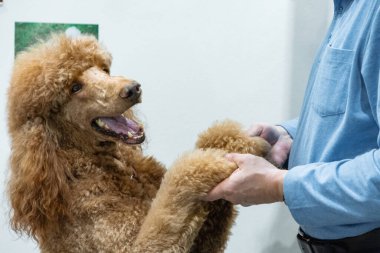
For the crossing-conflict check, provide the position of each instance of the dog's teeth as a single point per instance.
(130, 135)
(106, 126)
(100, 123)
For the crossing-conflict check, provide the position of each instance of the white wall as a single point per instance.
(198, 61)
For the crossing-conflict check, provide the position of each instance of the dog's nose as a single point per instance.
(131, 91)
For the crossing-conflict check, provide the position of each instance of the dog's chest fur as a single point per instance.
(115, 180)
(109, 194)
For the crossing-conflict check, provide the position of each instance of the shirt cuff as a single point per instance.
(290, 126)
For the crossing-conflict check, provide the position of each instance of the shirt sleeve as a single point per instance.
(337, 193)
(348, 191)
(291, 127)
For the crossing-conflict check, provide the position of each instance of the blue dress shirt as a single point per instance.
(333, 186)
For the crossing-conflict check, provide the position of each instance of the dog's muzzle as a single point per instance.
(131, 92)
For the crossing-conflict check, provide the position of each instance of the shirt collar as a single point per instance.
(340, 5)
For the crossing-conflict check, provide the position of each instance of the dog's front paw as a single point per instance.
(229, 136)
(194, 174)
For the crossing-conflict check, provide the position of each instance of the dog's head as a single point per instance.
(66, 83)
(62, 95)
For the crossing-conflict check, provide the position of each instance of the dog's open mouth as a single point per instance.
(120, 127)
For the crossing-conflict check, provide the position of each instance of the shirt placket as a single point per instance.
(339, 8)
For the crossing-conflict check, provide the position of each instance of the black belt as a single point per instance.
(365, 243)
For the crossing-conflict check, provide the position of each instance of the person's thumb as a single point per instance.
(237, 158)
(217, 192)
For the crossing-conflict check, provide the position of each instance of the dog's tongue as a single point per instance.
(121, 125)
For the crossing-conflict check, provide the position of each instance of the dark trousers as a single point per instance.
(365, 243)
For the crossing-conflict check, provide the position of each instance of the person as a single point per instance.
(332, 185)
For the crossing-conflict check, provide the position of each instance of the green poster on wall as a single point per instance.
(28, 33)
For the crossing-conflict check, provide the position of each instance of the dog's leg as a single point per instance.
(178, 220)
(215, 231)
(177, 214)
(228, 136)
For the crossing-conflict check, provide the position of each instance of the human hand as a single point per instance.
(255, 181)
(277, 137)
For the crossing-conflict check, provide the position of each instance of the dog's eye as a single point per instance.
(76, 87)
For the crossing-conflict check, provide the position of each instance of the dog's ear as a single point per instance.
(38, 184)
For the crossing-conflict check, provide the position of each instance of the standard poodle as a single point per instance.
(79, 180)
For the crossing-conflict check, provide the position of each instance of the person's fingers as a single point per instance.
(280, 151)
(255, 130)
(236, 158)
(278, 156)
(268, 132)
